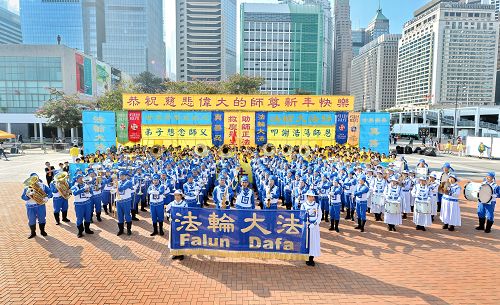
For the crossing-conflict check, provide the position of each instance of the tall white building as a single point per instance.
(342, 55)
(206, 39)
(378, 26)
(373, 76)
(448, 52)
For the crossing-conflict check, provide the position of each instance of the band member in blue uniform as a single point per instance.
(313, 219)
(486, 210)
(97, 186)
(82, 192)
(323, 188)
(106, 192)
(245, 199)
(361, 194)
(222, 194)
(287, 190)
(450, 209)
(349, 185)
(124, 203)
(335, 204)
(271, 194)
(156, 192)
(60, 203)
(191, 192)
(36, 210)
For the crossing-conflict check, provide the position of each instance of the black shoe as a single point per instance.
(336, 226)
(347, 214)
(155, 229)
(352, 215)
(310, 262)
(65, 216)
(56, 216)
(445, 226)
(92, 219)
(359, 225)
(181, 257)
(134, 217)
(404, 216)
(129, 228)
(389, 227)
(363, 222)
(161, 228)
(98, 216)
(394, 228)
(327, 216)
(80, 231)
(481, 224)
(87, 228)
(423, 228)
(33, 231)
(120, 229)
(332, 226)
(42, 229)
(323, 216)
(417, 228)
(432, 218)
(105, 208)
(489, 223)
(451, 228)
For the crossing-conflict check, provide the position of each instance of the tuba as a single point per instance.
(305, 151)
(225, 151)
(34, 191)
(269, 149)
(287, 150)
(62, 186)
(156, 151)
(201, 150)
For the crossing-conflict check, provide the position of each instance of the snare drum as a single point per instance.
(423, 206)
(377, 199)
(421, 171)
(392, 207)
(441, 176)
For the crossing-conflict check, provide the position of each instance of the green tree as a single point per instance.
(242, 84)
(112, 99)
(147, 82)
(64, 111)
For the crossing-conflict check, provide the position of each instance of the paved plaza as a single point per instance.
(403, 267)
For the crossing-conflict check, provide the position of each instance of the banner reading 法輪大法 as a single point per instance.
(239, 233)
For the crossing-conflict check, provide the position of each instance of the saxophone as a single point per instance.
(225, 200)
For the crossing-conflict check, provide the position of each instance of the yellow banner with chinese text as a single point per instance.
(300, 135)
(353, 132)
(239, 128)
(176, 135)
(226, 102)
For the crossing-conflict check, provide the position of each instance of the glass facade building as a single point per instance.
(10, 27)
(24, 82)
(43, 20)
(282, 43)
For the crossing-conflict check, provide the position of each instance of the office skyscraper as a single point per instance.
(10, 27)
(134, 36)
(206, 39)
(342, 47)
(282, 43)
(448, 46)
(378, 26)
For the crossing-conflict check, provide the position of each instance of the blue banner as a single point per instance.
(261, 128)
(73, 167)
(251, 233)
(301, 118)
(218, 128)
(375, 131)
(176, 118)
(99, 130)
(341, 127)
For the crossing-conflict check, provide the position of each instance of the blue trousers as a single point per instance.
(288, 198)
(157, 212)
(106, 197)
(486, 210)
(323, 202)
(123, 208)
(361, 209)
(83, 211)
(96, 203)
(60, 204)
(335, 211)
(349, 203)
(35, 212)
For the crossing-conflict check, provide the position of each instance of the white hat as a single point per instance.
(178, 192)
(311, 193)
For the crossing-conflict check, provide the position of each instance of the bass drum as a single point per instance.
(474, 191)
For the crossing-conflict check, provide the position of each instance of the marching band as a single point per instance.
(324, 182)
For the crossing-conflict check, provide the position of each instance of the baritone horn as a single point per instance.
(305, 151)
(156, 151)
(62, 185)
(287, 150)
(34, 191)
(269, 149)
(201, 150)
(225, 151)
